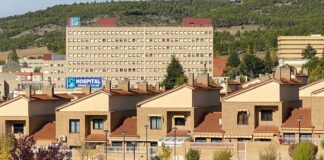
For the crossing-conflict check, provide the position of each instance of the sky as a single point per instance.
(17, 7)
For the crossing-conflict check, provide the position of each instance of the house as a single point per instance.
(258, 111)
(85, 120)
(26, 114)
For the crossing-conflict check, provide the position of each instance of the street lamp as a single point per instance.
(299, 120)
(106, 132)
(175, 142)
(124, 134)
(133, 144)
(146, 127)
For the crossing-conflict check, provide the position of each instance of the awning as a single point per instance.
(208, 135)
(263, 135)
(170, 141)
(237, 136)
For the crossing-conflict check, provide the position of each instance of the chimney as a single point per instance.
(124, 85)
(49, 91)
(86, 90)
(157, 86)
(108, 86)
(203, 78)
(143, 86)
(28, 92)
(190, 79)
(283, 72)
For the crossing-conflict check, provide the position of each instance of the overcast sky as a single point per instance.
(17, 7)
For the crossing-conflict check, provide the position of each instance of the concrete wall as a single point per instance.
(124, 102)
(204, 98)
(317, 112)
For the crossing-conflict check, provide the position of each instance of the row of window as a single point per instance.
(134, 62)
(209, 47)
(242, 116)
(129, 40)
(133, 69)
(139, 32)
(139, 55)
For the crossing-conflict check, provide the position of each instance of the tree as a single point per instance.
(268, 62)
(252, 66)
(175, 75)
(193, 154)
(51, 152)
(233, 59)
(24, 148)
(8, 145)
(318, 71)
(309, 52)
(274, 57)
(303, 151)
(224, 154)
(37, 69)
(13, 56)
(166, 153)
(269, 152)
(311, 64)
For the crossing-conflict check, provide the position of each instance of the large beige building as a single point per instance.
(290, 48)
(137, 53)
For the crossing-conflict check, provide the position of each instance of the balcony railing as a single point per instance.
(212, 145)
(292, 140)
(120, 149)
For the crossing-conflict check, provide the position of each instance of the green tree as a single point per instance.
(37, 69)
(268, 62)
(175, 75)
(269, 152)
(8, 146)
(13, 56)
(224, 154)
(251, 66)
(274, 57)
(309, 52)
(304, 151)
(166, 153)
(193, 154)
(311, 64)
(233, 59)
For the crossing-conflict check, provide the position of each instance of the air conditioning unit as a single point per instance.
(62, 138)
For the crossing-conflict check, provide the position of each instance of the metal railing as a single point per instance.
(120, 149)
(293, 140)
(212, 145)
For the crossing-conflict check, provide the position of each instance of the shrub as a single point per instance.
(193, 154)
(166, 153)
(303, 151)
(224, 154)
(269, 152)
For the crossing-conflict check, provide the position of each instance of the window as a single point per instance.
(266, 115)
(97, 123)
(18, 128)
(179, 121)
(74, 126)
(242, 118)
(155, 122)
(201, 140)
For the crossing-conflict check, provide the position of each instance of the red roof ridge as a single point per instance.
(303, 113)
(129, 125)
(210, 123)
(47, 132)
(266, 129)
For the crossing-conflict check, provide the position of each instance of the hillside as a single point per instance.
(268, 18)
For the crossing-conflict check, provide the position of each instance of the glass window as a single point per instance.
(18, 128)
(74, 126)
(201, 140)
(266, 115)
(179, 121)
(242, 118)
(97, 123)
(155, 122)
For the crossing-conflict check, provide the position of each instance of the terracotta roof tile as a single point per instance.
(96, 137)
(196, 22)
(302, 75)
(129, 126)
(47, 97)
(179, 133)
(266, 129)
(304, 114)
(210, 86)
(47, 132)
(210, 123)
(79, 95)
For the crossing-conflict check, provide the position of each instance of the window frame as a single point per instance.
(244, 120)
(76, 123)
(182, 118)
(154, 119)
(265, 115)
(19, 131)
(99, 122)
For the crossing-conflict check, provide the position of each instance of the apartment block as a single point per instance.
(54, 70)
(138, 53)
(290, 49)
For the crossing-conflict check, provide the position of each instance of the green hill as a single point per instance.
(274, 18)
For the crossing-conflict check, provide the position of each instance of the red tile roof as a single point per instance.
(129, 126)
(179, 133)
(266, 129)
(79, 95)
(210, 86)
(302, 75)
(96, 137)
(197, 22)
(47, 132)
(219, 64)
(107, 22)
(210, 123)
(47, 97)
(304, 114)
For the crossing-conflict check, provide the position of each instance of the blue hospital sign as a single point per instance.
(76, 82)
(75, 22)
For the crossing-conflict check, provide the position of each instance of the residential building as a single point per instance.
(258, 111)
(219, 66)
(54, 70)
(8, 84)
(290, 49)
(138, 53)
(84, 120)
(24, 115)
(31, 62)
